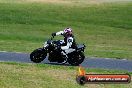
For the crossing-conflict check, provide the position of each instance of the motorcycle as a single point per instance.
(52, 50)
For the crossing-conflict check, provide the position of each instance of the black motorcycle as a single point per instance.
(52, 50)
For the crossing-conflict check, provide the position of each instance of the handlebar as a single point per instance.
(52, 38)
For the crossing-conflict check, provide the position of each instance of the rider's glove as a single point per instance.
(53, 34)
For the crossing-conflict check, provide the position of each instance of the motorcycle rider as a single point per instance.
(69, 43)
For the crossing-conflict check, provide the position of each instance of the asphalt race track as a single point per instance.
(115, 64)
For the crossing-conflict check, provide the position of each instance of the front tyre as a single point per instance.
(38, 55)
(76, 58)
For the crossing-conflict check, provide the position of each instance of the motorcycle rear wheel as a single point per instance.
(76, 58)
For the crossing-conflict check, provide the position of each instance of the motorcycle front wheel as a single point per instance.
(38, 55)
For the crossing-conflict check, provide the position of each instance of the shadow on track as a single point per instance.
(58, 64)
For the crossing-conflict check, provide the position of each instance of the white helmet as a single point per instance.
(67, 30)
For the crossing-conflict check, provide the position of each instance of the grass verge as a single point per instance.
(16, 75)
(105, 28)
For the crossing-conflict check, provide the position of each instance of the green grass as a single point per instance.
(16, 75)
(105, 28)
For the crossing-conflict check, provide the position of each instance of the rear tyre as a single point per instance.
(38, 55)
(76, 58)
